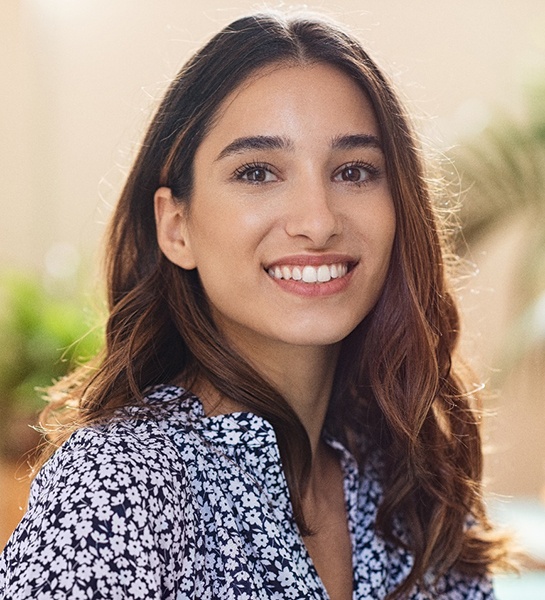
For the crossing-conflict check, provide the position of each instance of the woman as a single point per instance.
(277, 414)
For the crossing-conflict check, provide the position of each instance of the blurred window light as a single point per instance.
(471, 117)
(62, 260)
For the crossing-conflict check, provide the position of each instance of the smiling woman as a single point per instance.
(277, 413)
(295, 170)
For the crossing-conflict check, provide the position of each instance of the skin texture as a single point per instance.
(290, 174)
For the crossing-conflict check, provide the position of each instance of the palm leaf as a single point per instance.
(502, 173)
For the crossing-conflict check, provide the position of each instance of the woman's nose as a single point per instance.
(311, 214)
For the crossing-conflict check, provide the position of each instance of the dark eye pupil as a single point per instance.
(257, 175)
(351, 174)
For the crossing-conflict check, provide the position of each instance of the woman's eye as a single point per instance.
(356, 174)
(255, 174)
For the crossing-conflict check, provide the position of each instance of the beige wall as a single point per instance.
(79, 78)
(16, 216)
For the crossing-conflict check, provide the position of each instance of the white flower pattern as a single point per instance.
(169, 504)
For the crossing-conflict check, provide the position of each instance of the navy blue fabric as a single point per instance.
(183, 506)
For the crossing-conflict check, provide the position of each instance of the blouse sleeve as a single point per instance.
(109, 517)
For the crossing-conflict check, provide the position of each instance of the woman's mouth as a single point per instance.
(309, 273)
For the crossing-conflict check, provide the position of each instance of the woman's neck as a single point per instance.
(303, 375)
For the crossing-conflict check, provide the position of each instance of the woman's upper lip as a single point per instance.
(313, 260)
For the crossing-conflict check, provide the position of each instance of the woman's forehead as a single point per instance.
(294, 101)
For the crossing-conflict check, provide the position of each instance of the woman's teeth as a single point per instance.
(309, 274)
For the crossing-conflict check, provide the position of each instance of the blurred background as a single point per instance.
(80, 81)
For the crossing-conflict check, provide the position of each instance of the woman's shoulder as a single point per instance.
(136, 445)
(119, 490)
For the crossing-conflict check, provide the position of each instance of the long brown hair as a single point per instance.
(395, 386)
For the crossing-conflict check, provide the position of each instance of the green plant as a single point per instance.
(43, 334)
(502, 173)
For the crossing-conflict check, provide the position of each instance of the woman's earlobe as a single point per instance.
(172, 230)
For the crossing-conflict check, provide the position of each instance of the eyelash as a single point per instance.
(247, 168)
(373, 172)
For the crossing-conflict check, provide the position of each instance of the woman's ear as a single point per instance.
(172, 231)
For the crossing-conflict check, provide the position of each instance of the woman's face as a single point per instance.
(291, 221)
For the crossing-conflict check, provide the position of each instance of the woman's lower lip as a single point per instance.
(314, 290)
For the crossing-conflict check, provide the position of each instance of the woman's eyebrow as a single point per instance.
(355, 140)
(256, 142)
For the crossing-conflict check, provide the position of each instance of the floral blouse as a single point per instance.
(183, 506)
